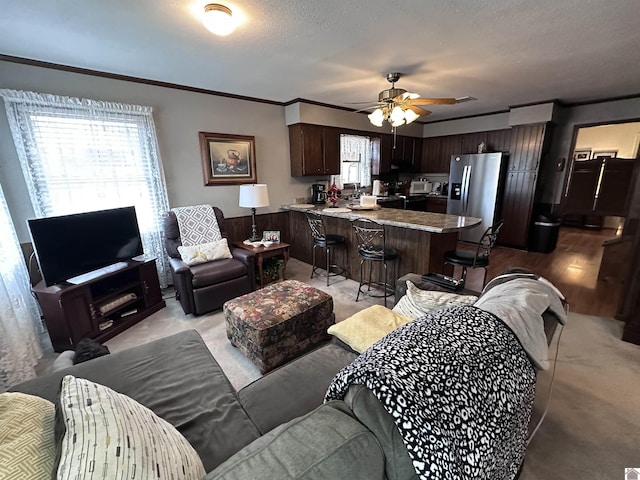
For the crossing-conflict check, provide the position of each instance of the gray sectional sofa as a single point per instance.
(179, 380)
(274, 428)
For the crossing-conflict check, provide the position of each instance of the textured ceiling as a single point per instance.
(502, 52)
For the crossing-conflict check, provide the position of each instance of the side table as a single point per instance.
(263, 252)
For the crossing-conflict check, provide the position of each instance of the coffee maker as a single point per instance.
(318, 193)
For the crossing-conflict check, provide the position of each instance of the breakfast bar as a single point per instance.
(421, 238)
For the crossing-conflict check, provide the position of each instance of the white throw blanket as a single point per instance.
(197, 224)
(520, 303)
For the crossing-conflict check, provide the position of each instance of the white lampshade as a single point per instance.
(377, 117)
(410, 115)
(396, 117)
(254, 196)
(218, 19)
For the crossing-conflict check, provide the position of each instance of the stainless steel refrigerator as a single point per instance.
(475, 188)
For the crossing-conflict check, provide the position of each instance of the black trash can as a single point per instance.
(543, 236)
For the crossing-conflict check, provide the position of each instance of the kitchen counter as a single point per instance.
(426, 221)
(421, 238)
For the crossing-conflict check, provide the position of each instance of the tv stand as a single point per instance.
(102, 306)
(85, 277)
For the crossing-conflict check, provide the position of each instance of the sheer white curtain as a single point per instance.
(355, 158)
(79, 155)
(19, 315)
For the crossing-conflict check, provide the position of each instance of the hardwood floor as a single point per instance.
(572, 267)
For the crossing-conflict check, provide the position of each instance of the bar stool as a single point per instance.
(479, 258)
(372, 248)
(328, 242)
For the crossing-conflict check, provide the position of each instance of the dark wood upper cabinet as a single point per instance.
(527, 142)
(437, 151)
(314, 150)
(499, 140)
(400, 153)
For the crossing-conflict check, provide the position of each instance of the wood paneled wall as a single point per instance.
(239, 228)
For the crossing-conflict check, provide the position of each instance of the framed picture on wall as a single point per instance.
(604, 153)
(227, 159)
(582, 154)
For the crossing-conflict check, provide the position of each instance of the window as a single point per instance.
(81, 155)
(355, 160)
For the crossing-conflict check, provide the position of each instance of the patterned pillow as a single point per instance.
(366, 327)
(27, 443)
(418, 302)
(126, 438)
(205, 252)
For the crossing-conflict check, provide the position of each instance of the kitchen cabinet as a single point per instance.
(437, 151)
(436, 205)
(517, 205)
(400, 153)
(529, 144)
(391, 202)
(314, 150)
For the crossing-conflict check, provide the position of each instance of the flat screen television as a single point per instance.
(71, 245)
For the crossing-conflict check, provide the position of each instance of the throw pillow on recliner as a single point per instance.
(205, 252)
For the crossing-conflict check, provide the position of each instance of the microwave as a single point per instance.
(420, 187)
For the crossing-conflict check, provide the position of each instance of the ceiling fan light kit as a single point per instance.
(218, 19)
(399, 107)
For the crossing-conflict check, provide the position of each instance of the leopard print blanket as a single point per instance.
(460, 389)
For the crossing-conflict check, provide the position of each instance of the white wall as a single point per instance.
(496, 121)
(622, 137)
(179, 116)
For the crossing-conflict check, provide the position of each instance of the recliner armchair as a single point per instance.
(207, 286)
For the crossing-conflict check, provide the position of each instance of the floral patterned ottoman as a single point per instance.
(278, 323)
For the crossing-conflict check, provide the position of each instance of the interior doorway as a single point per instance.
(599, 174)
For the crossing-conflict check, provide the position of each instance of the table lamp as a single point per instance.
(254, 196)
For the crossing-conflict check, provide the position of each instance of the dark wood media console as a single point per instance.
(102, 307)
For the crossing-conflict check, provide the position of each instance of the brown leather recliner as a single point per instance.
(205, 287)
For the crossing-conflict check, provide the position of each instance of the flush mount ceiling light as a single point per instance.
(218, 19)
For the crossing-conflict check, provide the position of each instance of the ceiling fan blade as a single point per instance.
(361, 103)
(368, 107)
(433, 101)
(419, 111)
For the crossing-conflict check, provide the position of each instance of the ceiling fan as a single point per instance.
(400, 107)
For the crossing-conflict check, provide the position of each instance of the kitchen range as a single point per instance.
(420, 191)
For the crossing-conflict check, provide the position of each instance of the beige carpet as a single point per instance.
(212, 327)
(593, 424)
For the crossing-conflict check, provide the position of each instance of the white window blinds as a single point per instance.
(80, 155)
